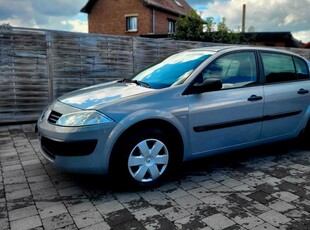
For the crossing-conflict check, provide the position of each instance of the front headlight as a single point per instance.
(89, 117)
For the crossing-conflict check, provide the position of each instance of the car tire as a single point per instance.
(305, 136)
(143, 158)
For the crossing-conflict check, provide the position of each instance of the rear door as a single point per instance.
(286, 93)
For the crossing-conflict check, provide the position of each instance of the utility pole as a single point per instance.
(243, 18)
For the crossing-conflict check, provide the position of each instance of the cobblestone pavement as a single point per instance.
(265, 188)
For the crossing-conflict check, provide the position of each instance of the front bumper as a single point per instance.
(75, 149)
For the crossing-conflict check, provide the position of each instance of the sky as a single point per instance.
(262, 15)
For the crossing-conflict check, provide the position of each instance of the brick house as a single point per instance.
(134, 17)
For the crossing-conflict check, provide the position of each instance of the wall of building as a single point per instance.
(162, 22)
(108, 17)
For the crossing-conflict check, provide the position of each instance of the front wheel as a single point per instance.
(148, 160)
(143, 158)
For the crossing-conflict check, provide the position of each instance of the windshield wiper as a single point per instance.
(140, 83)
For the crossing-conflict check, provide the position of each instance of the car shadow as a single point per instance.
(240, 161)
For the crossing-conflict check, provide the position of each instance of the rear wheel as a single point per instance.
(305, 136)
(143, 158)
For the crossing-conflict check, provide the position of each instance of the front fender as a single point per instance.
(180, 122)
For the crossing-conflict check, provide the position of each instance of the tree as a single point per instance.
(189, 27)
(192, 27)
(5, 27)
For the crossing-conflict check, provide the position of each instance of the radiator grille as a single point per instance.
(54, 116)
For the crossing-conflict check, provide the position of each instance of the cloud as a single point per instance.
(76, 25)
(49, 14)
(263, 15)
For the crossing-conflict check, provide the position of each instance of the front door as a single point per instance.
(230, 116)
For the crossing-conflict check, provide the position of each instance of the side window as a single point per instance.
(278, 67)
(301, 68)
(234, 70)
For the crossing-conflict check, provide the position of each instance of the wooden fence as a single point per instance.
(37, 66)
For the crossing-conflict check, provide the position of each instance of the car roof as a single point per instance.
(216, 49)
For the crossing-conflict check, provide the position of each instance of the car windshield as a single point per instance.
(173, 70)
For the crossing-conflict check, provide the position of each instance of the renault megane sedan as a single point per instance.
(193, 104)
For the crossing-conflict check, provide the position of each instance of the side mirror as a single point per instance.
(211, 84)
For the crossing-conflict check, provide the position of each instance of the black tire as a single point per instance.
(151, 167)
(305, 136)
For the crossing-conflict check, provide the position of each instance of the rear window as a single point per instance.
(301, 68)
(282, 68)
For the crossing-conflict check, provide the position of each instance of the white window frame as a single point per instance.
(131, 23)
(171, 27)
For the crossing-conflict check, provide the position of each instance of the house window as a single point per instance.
(132, 23)
(171, 27)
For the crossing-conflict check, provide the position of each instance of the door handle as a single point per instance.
(255, 98)
(303, 91)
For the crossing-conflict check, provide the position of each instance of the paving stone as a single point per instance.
(188, 201)
(108, 207)
(190, 222)
(209, 184)
(20, 203)
(187, 185)
(81, 208)
(293, 180)
(175, 213)
(274, 218)
(58, 221)
(289, 187)
(244, 188)
(118, 217)
(267, 188)
(175, 193)
(281, 206)
(127, 196)
(158, 222)
(247, 220)
(132, 224)
(218, 221)
(23, 213)
(14, 187)
(251, 181)
(214, 200)
(53, 210)
(222, 190)
(98, 226)
(265, 226)
(45, 194)
(199, 192)
(74, 190)
(26, 223)
(136, 205)
(18, 194)
(146, 213)
(231, 183)
(87, 219)
(162, 203)
(152, 195)
(39, 178)
(4, 223)
(256, 208)
(15, 180)
(285, 196)
(262, 197)
(41, 185)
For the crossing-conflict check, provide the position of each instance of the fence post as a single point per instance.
(49, 66)
(134, 56)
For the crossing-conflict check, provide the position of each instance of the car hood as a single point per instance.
(94, 96)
